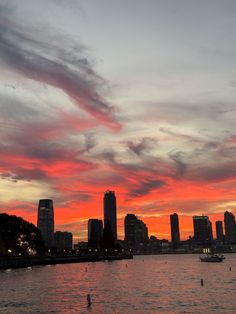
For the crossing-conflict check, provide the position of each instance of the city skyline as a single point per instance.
(102, 235)
(202, 229)
(134, 98)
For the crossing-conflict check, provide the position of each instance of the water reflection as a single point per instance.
(151, 284)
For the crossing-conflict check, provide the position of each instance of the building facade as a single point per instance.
(63, 241)
(230, 227)
(45, 221)
(202, 230)
(219, 231)
(174, 225)
(109, 205)
(95, 229)
(136, 232)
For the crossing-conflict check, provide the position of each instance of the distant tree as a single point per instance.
(108, 240)
(19, 237)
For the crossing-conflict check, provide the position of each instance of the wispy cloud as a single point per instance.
(141, 146)
(46, 62)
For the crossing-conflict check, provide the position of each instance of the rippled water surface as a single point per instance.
(146, 284)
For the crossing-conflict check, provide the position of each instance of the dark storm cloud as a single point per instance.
(47, 63)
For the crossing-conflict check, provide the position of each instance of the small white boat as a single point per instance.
(211, 258)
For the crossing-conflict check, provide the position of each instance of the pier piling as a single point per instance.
(89, 300)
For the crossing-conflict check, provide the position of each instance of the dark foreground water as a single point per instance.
(147, 284)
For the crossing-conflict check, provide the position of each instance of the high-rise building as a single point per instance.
(109, 203)
(202, 230)
(230, 227)
(63, 240)
(46, 221)
(136, 232)
(174, 224)
(219, 231)
(94, 232)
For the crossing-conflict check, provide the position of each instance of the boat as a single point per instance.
(211, 258)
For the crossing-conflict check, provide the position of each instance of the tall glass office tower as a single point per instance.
(46, 221)
(109, 203)
(174, 224)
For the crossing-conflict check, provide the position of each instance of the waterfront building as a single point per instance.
(45, 221)
(230, 227)
(136, 232)
(109, 205)
(174, 224)
(95, 230)
(219, 231)
(154, 245)
(202, 230)
(81, 247)
(63, 240)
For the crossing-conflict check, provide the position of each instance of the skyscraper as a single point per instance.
(219, 231)
(174, 224)
(202, 230)
(109, 203)
(94, 232)
(136, 232)
(230, 227)
(46, 221)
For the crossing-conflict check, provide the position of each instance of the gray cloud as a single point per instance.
(210, 161)
(47, 63)
(145, 186)
(176, 134)
(211, 114)
(140, 146)
(213, 173)
(181, 166)
(89, 143)
(21, 173)
(205, 161)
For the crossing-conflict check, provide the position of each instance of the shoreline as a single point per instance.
(28, 261)
(8, 262)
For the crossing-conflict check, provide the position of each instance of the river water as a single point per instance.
(146, 284)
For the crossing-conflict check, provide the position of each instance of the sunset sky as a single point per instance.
(133, 96)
